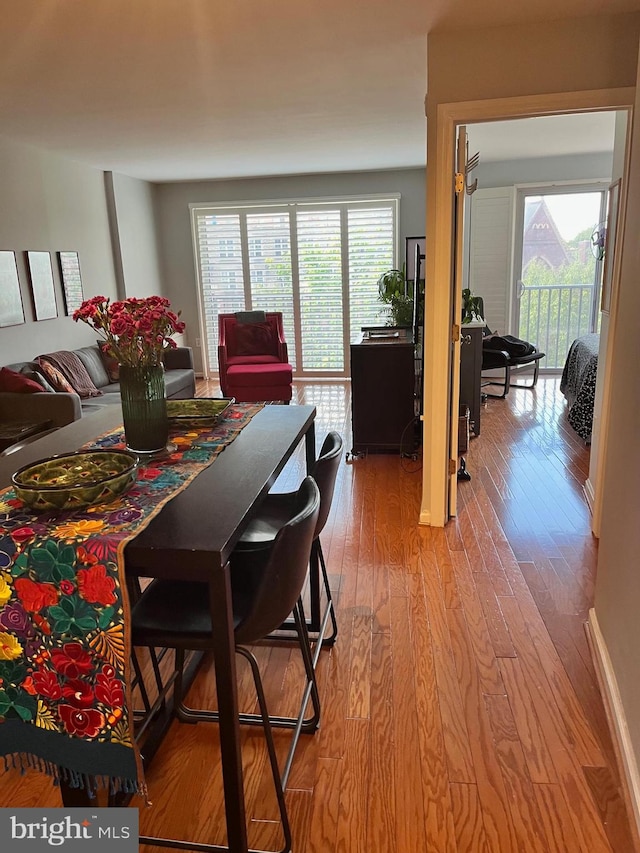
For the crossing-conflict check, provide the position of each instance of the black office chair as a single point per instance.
(506, 352)
(273, 513)
(266, 587)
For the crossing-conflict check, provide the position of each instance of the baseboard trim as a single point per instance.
(589, 494)
(630, 777)
(425, 517)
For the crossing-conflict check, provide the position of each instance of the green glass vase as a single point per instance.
(144, 408)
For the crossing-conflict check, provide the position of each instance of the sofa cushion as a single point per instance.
(180, 384)
(33, 370)
(252, 359)
(110, 363)
(55, 377)
(92, 360)
(38, 376)
(255, 339)
(74, 371)
(259, 375)
(10, 380)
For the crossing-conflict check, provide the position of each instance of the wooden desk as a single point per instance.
(193, 536)
(382, 392)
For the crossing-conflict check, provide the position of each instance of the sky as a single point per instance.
(573, 212)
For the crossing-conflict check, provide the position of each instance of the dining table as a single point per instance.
(192, 537)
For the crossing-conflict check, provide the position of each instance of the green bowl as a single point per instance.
(198, 411)
(75, 480)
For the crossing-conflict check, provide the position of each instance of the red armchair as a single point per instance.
(252, 357)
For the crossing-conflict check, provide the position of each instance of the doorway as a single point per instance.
(436, 480)
(557, 267)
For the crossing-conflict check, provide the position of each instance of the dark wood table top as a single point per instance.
(200, 526)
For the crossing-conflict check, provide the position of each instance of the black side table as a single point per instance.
(14, 431)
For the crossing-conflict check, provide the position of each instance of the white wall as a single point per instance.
(50, 203)
(136, 242)
(617, 599)
(505, 173)
(578, 57)
(174, 227)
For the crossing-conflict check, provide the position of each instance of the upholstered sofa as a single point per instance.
(63, 407)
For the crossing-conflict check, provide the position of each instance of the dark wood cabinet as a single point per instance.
(471, 373)
(382, 395)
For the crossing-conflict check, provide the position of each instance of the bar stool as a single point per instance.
(274, 512)
(176, 615)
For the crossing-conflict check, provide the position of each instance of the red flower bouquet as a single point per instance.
(136, 330)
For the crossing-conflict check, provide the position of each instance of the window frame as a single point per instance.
(291, 206)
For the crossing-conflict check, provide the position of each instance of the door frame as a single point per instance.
(438, 295)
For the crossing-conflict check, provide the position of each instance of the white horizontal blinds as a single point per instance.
(270, 276)
(221, 275)
(371, 239)
(320, 286)
(490, 249)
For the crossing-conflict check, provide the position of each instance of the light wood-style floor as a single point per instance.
(461, 711)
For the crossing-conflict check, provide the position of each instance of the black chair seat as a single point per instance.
(263, 529)
(526, 359)
(274, 512)
(174, 614)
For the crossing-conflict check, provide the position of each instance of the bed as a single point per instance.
(578, 383)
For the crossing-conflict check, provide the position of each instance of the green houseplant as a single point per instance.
(471, 310)
(394, 291)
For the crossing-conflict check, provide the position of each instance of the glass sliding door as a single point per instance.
(558, 277)
(316, 262)
(319, 236)
(270, 280)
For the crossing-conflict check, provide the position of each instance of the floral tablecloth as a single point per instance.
(65, 696)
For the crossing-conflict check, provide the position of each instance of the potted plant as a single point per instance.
(471, 307)
(395, 292)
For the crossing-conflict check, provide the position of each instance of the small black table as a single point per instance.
(14, 431)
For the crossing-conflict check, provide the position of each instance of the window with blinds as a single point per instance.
(316, 262)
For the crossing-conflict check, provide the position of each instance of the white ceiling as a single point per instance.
(546, 136)
(188, 89)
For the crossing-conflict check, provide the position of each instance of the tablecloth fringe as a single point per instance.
(25, 761)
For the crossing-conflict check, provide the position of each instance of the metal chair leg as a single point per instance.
(299, 724)
(278, 780)
(536, 371)
(505, 385)
(330, 640)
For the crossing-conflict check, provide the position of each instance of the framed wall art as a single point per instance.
(11, 310)
(69, 264)
(414, 245)
(42, 286)
(610, 247)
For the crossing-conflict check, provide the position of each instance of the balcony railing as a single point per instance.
(552, 316)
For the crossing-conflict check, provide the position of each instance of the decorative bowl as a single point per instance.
(199, 411)
(75, 480)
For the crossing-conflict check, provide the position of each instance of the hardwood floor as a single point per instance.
(461, 711)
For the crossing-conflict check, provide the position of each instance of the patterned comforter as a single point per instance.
(578, 383)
